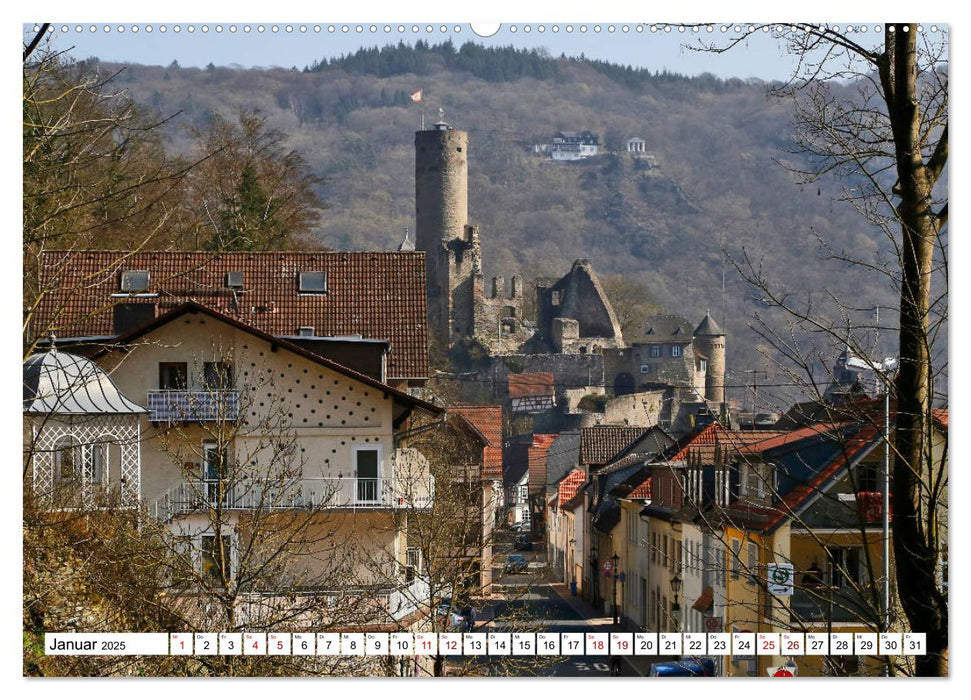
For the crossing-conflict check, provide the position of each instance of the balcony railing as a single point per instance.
(837, 604)
(379, 606)
(174, 406)
(268, 494)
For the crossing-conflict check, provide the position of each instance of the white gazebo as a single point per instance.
(81, 435)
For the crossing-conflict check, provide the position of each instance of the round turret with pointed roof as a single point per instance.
(59, 382)
(708, 326)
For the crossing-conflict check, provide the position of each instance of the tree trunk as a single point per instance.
(916, 547)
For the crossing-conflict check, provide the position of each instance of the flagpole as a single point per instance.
(422, 127)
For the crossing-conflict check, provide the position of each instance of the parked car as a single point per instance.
(450, 619)
(524, 541)
(516, 563)
(684, 667)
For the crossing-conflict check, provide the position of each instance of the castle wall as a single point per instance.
(574, 376)
(499, 322)
(574, 314)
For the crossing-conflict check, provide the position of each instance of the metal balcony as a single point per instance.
(175, 406)
(309, 494)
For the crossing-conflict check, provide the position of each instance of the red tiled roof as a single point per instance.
(599, 443)
(488, 421)
(537, 461)
(795, 498)
(769, 517)
(642, 491)
(530, 384)
(705, 445)
(569, 485)
(790, 437)
(374, 295)
(940, 415)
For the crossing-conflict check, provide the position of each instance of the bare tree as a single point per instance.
(875, 115)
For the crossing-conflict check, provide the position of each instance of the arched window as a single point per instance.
(66, 459)
(104, 461)
(96, 466)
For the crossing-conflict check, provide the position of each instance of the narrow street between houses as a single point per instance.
(532, 601)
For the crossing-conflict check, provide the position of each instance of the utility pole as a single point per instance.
(755, 389)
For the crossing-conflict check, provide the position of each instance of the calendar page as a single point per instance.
(377, 348)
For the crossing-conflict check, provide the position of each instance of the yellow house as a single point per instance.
(806, 502)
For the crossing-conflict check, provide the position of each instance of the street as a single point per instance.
(529, 603)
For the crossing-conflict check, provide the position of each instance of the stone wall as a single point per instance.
(499, 322)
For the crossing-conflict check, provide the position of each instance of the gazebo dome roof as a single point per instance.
(59, 382)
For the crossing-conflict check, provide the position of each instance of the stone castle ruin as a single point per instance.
(574, 317)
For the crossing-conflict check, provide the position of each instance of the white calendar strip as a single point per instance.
(746, 645)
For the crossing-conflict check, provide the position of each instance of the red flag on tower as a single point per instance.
(416, 96)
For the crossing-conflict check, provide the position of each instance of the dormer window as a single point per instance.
(135, 281)
(313, 282)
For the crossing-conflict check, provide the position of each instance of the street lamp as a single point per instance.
(883, 370)
(676, 605)
(615, 560)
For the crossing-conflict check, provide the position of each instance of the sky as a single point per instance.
(299, 44)
(229, 43)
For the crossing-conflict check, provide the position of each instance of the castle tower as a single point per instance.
(452, 254)
(710, 341)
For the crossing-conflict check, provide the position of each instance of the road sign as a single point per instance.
(713, 624)
(780, 579)
(786, 670)
(608, 565)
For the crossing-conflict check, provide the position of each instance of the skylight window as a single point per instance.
(313, 282)
(134, 281)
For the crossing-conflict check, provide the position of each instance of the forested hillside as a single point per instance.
(719, 185)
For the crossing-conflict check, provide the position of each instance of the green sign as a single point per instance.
(780, 579)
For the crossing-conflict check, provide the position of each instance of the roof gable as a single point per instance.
(400, 397)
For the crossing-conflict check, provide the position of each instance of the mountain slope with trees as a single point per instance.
(720, 183)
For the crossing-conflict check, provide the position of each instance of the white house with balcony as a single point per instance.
(242, 425)
(571, 145)
(81, 435)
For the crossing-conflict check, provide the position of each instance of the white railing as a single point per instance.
(175, 406)
(269, 494)
(373, 606)
(406, 600)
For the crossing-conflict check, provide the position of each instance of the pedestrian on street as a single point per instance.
(470, 619)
